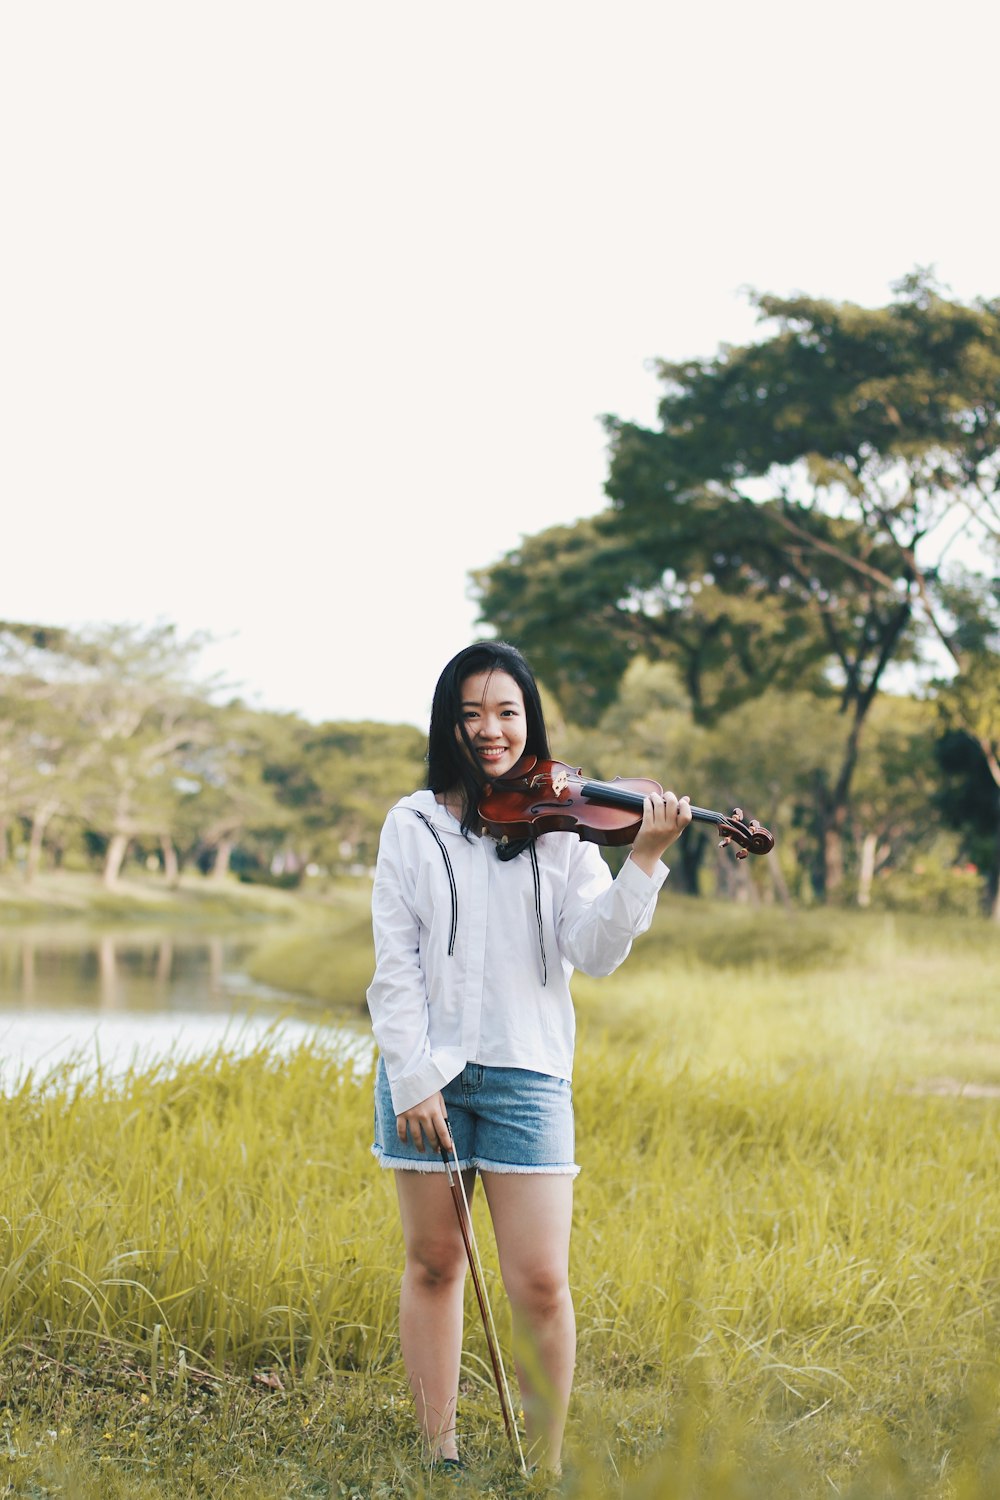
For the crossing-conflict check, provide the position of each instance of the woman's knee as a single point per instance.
(436, 1261)
(541, 1290)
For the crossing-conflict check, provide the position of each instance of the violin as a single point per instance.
(548, 796)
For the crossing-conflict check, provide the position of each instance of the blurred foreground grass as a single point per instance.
(786, 1252)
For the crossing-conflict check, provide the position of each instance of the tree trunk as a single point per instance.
(34, 849)
(4, 843)
(171, 868)
(869, 848)
(220, 869)
(689, 852)
(833, 809)
(733, 882)
(115, 858)
(39, 823)
(779, 883)
(835, 803)
(833, 857)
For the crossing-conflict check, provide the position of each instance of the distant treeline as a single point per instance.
(111, 751)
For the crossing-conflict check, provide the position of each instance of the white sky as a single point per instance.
(307, 309)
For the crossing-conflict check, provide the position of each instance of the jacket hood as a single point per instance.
(425, 803)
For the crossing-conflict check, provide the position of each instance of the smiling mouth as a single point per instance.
(492, 752)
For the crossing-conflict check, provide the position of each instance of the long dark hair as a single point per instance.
(447, 766)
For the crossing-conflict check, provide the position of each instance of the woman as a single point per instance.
(472, 1014)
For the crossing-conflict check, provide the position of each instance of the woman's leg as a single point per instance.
(430, 1302)
(532, 1214)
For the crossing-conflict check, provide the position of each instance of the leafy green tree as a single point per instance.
(45, 751)
(586, 600)
(650, 730)
(144, 711)
(784, 524)
(892, 807)
(969, 801)
(342, 783)
(228, 799)
(969, 709)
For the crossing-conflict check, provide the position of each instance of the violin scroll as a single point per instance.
(752, 837)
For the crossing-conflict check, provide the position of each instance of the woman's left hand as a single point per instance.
(664, 819)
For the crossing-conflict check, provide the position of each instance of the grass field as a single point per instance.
(786, 1252)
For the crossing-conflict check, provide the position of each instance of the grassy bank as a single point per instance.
(72, 895)
(731, 987)
(786, 1252)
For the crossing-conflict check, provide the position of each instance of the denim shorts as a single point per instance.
(501, 1120)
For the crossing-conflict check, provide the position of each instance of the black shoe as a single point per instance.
(452, 1467)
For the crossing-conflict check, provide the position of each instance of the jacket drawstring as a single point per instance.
(538, 910)
(508, 853)
(451, 880)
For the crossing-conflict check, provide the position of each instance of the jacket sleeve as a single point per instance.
(599, 916)
(397, 996)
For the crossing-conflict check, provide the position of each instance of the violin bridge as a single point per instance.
(560, 782)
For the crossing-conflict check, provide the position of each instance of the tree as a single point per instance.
(786, 523)
(227, 794)
(650, 730)
(342, 780)
(142, 711)
(969, 800)
(969, 708)
(45, 751)
(893, 807)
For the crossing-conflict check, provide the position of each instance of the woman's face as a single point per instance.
(492, 711)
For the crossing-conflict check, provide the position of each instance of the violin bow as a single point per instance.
(461, 1202)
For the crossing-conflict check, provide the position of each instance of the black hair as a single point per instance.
(447, 766)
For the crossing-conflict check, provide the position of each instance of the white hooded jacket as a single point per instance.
(474, 956)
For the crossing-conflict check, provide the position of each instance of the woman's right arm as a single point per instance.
(397, 998)
(398, 1002)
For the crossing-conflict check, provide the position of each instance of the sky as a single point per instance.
(309, 309)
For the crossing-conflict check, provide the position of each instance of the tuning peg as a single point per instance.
(737, 815)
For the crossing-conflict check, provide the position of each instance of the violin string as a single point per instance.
(735, 828)
(702, 814)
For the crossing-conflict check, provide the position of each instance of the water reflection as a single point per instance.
(114, 971)
(117, 996)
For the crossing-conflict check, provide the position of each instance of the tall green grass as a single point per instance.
(218, 1207)
(786, 1255)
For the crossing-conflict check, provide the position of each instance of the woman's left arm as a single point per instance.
(599, 916)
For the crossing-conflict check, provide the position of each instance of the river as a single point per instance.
(74, 996)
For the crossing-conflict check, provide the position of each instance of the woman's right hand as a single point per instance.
(427, 1119)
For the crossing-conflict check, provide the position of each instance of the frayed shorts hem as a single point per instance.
(434, 1164)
